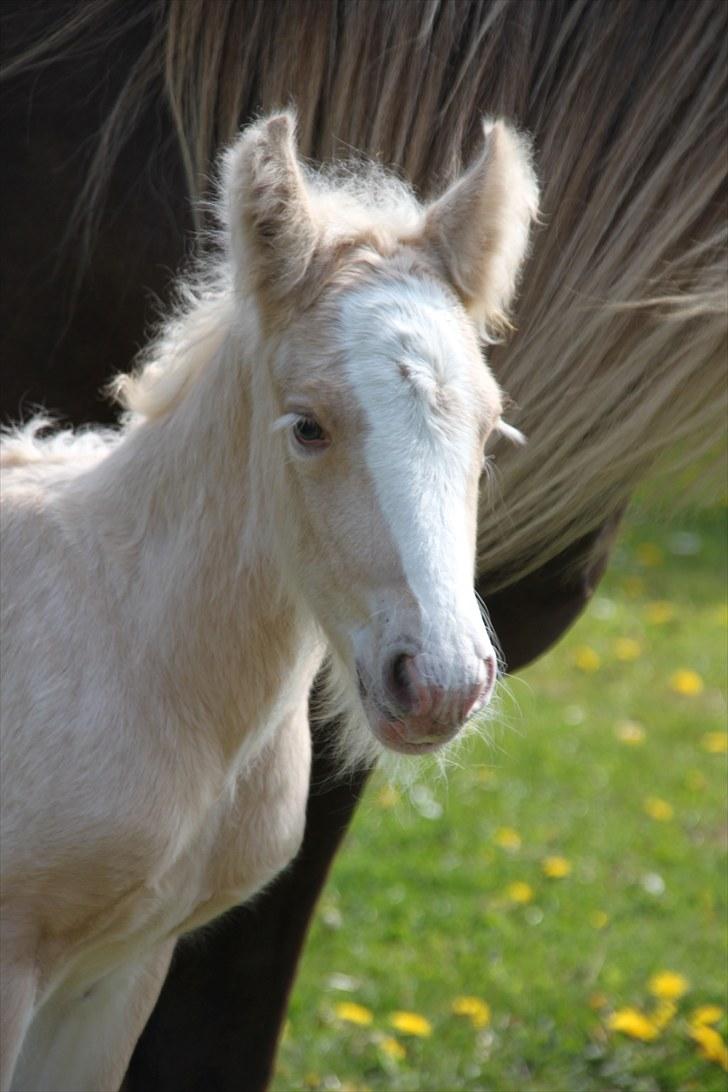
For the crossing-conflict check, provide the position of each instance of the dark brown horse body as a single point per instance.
(80, 283)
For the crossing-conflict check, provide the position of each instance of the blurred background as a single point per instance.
(552, 913)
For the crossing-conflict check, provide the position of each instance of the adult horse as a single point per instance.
(111, 114)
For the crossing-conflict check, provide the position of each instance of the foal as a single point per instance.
(296, 479)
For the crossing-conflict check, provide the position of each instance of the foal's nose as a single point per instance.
(409, 681)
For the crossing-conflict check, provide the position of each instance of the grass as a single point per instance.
(606, 756)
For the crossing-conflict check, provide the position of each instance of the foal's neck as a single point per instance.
(189, 544)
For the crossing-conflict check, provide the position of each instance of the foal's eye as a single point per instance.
(308, 434)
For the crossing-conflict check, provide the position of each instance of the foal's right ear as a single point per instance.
(480, 226)
(267, 209)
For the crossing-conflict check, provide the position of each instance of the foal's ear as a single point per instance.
(479, 227)
(267, 209)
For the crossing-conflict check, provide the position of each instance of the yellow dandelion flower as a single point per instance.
(715, 743)
(388, 797)
(664, 1012)
(507, 838)
(598, 919)
(634, 1023)
(705, 1014)
(686, 682)
(586, 659)
(659, 612)
(393, 1048)
(668, 985)
(353, 1013)
(658, 809)
(476, 1010)
(711, 1044)
(411, 1023)
(649, 555)
(519, 892)
(555, 867)
(629, 732)
(627, 649)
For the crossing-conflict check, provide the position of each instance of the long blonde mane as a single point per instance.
(618, 363)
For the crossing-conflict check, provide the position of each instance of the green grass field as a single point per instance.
(515, 914)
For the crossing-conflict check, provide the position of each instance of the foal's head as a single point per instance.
(372, 308)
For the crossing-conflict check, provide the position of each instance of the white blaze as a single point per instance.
(406, 349)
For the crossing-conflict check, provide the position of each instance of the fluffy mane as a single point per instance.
(358, 200)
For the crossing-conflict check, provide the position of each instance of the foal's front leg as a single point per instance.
(84, 1044)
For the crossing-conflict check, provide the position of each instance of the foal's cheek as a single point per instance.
(344, 549)
(319, 533)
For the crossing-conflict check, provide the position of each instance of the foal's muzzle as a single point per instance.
(413, 694)
(425, 702)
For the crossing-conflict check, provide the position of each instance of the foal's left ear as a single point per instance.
(267, 209)
(480, 226)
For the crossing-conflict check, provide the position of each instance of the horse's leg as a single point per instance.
(17, 993)
(84, 1045)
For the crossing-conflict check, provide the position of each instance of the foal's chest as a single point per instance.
(244, 839)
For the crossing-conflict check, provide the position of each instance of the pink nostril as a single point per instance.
(398, 681)
(411, 695)
(407, 688)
